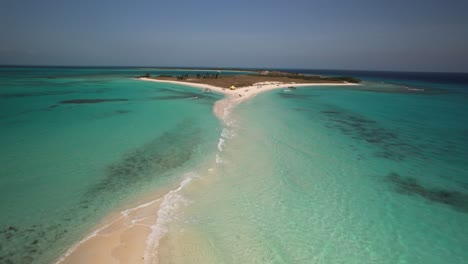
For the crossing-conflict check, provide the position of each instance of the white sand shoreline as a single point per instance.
(122, 237)
(234, 97)
(196, 70)
(248, 91)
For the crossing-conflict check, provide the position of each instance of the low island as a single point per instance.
(258, 80)
(238, 88)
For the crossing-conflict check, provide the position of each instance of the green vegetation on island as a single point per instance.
(313, 78)
(218, 79)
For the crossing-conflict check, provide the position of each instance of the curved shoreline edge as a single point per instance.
(128, 234)
(248, 91)
(234, 97)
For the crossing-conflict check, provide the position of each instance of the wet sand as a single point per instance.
(234, 97)
(141, 234)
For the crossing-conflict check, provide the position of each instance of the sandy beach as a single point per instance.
(140, 234)
(248, 91)
(240, 94)
(215, 132)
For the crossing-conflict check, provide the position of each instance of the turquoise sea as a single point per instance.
(310, 175)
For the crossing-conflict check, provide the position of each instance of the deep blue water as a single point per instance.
(435, 77)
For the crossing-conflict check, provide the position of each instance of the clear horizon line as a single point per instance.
(220, 67)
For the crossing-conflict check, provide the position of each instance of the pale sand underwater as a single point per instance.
(141, 234)
(162, 173)
(234, 97)
(298, 178)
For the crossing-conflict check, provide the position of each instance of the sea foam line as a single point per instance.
(227, 133)
(167, 210)
(220, 144)
(223, 109)
(123, 214)
(219, 159)
(171, 200)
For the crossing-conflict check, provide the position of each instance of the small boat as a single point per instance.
(292, 87)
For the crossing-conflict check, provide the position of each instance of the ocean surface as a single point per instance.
(76, 143)
(366, 174)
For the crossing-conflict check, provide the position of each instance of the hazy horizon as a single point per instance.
(217, 67)
(418, 36)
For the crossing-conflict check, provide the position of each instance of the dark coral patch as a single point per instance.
(410, 186)
(26, 243)
(172, 94)
(390, 145)
(121, 112)
(151, 160)
(34, 94)
(330, 112)
(91, 101)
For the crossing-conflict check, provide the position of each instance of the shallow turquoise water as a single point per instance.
(329, 175)
(312, 175)
(66, 165)
(392, 168)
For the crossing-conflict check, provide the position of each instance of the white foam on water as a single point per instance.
(227, 110)
(221, 144)
(227, 133)
(93, 234)
(218, 159)
(171, 202)
(124, 214)
(230, 122)
(167, 210)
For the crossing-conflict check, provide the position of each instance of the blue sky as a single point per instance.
(363, 34)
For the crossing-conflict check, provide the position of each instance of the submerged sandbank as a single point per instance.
(137, 235)
(234, 97)
(251, 90)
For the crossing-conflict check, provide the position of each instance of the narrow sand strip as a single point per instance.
(234, 97)
(127, 236)
(248, 91)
